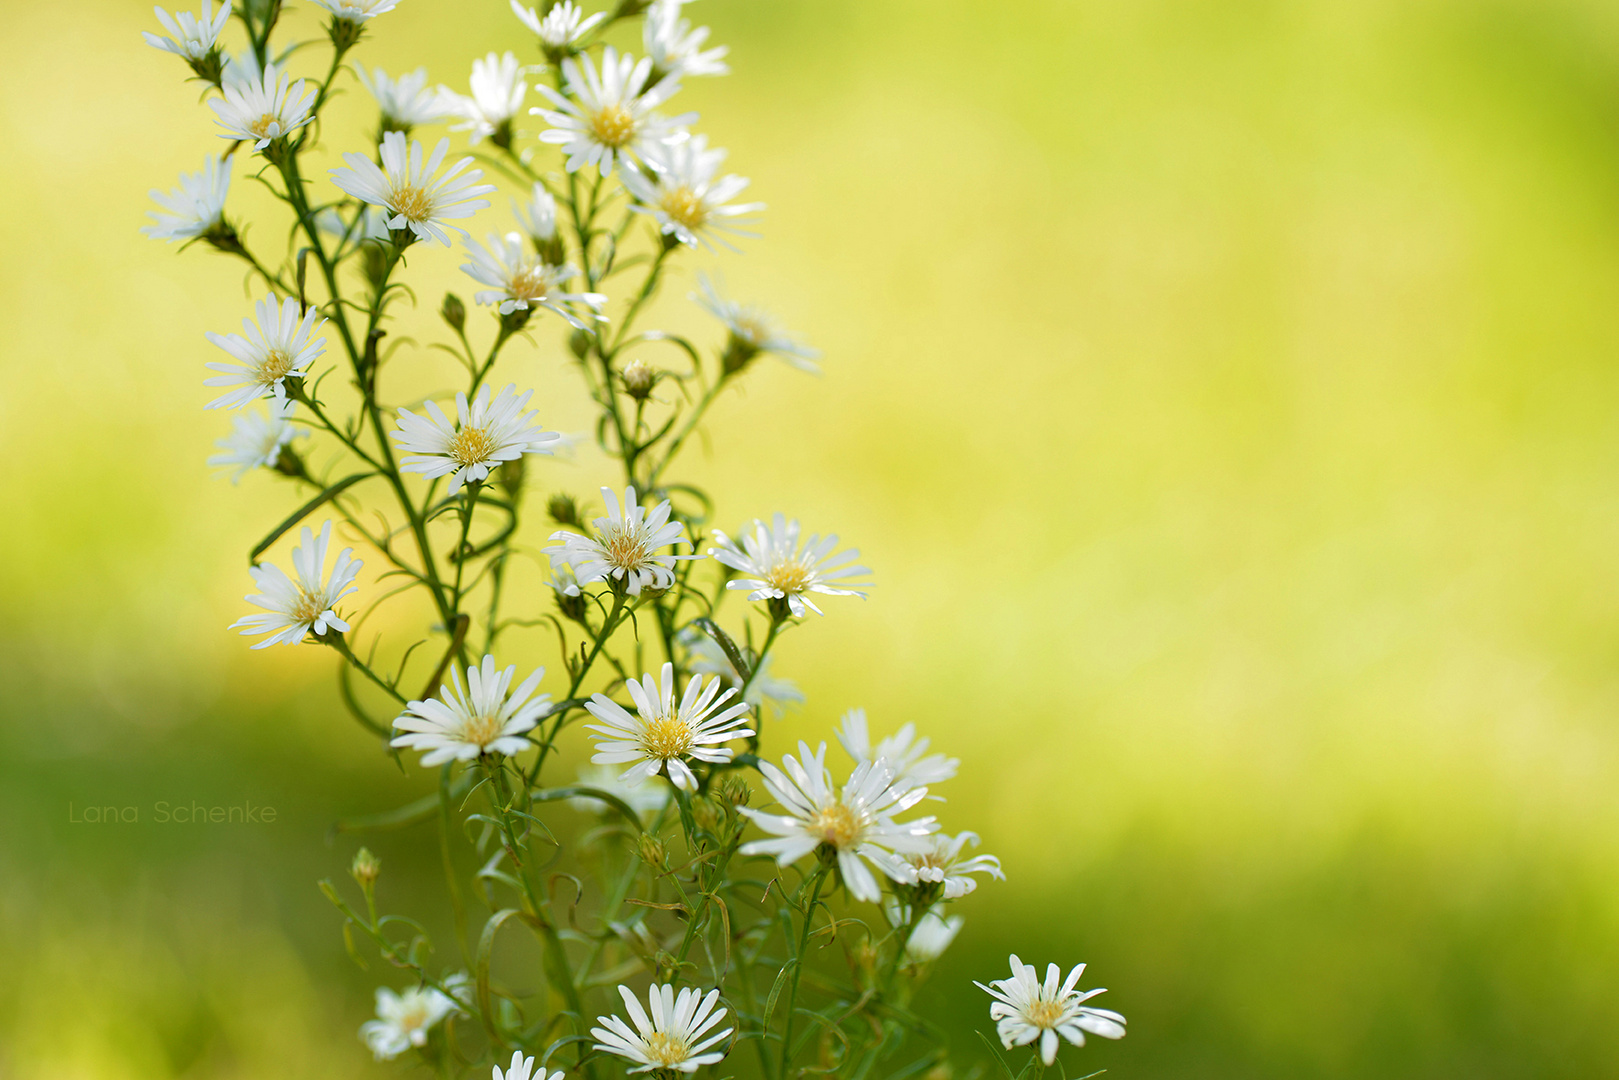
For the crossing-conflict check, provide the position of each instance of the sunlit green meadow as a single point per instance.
(1224, 393)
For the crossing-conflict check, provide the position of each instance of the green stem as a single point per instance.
(336, 641)
(798, 969)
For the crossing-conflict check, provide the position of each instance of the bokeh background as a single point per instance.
(1223, 390)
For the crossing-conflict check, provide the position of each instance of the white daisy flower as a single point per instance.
(482, 436)
(705, 656)
(498, 87)
(414, 193)
(537, 215)
(775, 567)
(522, 1068)
(663, 732)
(644, 797)
(941, 864)
(625, 547)
(562, 26)
(685, 198)
(1025, 1009)
(405, 101)
(196, 207)
(857, 822)
(256, 439)
(485, 719)
(404, 1019)
(671, 1037)
(278, 346)
(752, 331)
(263, 109)
(296, 608)
(613, 118)
(675, 48)
(357, 11)
(907, 754)
(194, 36)
(932, 934)
(520, 279)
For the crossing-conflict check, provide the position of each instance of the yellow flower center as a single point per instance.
(836, 825)
(411, 201)
(1044, 1014)
(532, 282)
(261, 127)
(624, 547)
(666, 1050)
(308, 607)
(751, 328)
(666, 737)
(613, 126)
(789, 577)
(414, 1017)
(685, 207)
(469, 446)
(481, 730)
(274, 367)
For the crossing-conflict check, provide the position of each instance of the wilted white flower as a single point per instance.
(775, 567)
(520, 279)
(941, 864)
(613, 118)
(857, 822)
(752, 332)
(706, 657)
(419, 198)
(685, 198)
(256, 439)
(498, 87)
(643, 797)
(932, 934)
(675, 48)
(194, 208)
(663, 732)
(404, 1019)
(357, 11)
(537, 215)
(671, 1037)
(625, 547)
(1025, 1009)
(904, 752)
(278, 346)
(405, 101)
(485, 719)
(482, 436)
(263, 109)
(522, 1068)
(562, 26)
(194, 36)
(296, 608)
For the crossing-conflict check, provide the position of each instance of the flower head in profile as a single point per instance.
(931, 935)
(775, 566)
(295, 607)
(675, 48)
(520, 279)
(537, 215)
(256, 439)
(942, 864)
(483, 435)
(416, 196)
(856, 821)
(904, 752)
(561, 27)
(404, 1019)
(625, 549)
(705, 656)
(751, 331)
(663, 732)
(356, 11)
(684, 196)
(489, 717)
(522, 1068)
(262, 110)
(498, 87)
(194, 36)
(612, 120)
(405, 101)
(195, 208)
(278, 345)
(642, 796)
(668, 1034)
(1026, 1009)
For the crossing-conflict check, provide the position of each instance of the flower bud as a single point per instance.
(653, 853)
(734, 790)
(708, 814)
(511, 476)
(563, 510)
(638, 377)
(365, 868)
(579, 343)
(453, 311)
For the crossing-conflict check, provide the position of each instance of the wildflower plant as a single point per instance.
(698, 902)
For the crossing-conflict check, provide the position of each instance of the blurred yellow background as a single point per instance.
(1222, 390)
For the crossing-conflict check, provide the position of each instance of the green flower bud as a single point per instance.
(453, 311)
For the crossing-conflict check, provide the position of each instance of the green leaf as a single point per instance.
(304, 511)
(775, 991)
(486, 944)
(723, 640)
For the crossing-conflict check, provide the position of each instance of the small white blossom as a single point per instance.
(671, 1037)
(483, 435)
(684, 196)
(706, 657)
(278, 346)
(405, 101)
(753, 331)
(625, 547)
(263, 109)
(357, 11)
(522, 1068)
(537, 214)
(932, 934)
(256, 439)
(644, 797)
(414, 193)
(194, 36)
(907, 754)
(941, 864)
(195, 207)
(498, 87)
(485, 719)
(403, 1019)
(1025, 1009)
(296, 608)
(613, 120)
(675, 48)
(562, 26)
(774, 566)
(520, 279)
(663, 732)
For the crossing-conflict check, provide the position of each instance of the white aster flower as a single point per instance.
(671, 1037)
(663, 732)
(537, 215)
(196, 207)
(625, 547)
(684, 196)
(405, 101)
(774, 566)
(857, 822)
(485, 719)
(242, 67)
(1025, 1009)
(278, 346)
(498, 87)
(941, 864)
(414, 193)
(675, 48)
(522, 1068)
(357, 11)
(706, 657)
(520, 279)
(562, 26)
(404, 1019)
(263, 109)
(613, 118)
(644, 797)
(194, 36)
(296, 608)
(256, 439)
(752, 331)
(932, 934)
(482, 436)
(907, 754)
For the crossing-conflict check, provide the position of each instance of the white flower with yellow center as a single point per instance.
(663, 732)
(277, 346)
(488, 718)
(498, 87)
(195, 207)
(904, 752)
(483, 435)
(194, 36)
(404, 1019)
(932, 934)
(262, 110)
(774, 566)
(752, 331)
(562, 25)
(668, 1034)
(856, 822)
(941, 863)
(612, 120)
(1025, 1009)
(537, 214)
(705, 656)
(522, 1068)
(405, 101)
(684, 196)
(256, 439)
(625, 549)
(357, 11)
(307, 604)
(520, 279)
(413, 192)
(675, 48)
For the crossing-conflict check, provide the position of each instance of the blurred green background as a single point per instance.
(1223, 391)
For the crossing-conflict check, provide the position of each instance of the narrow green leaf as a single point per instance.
(304, 511)
(775, 991)
(723, 640)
